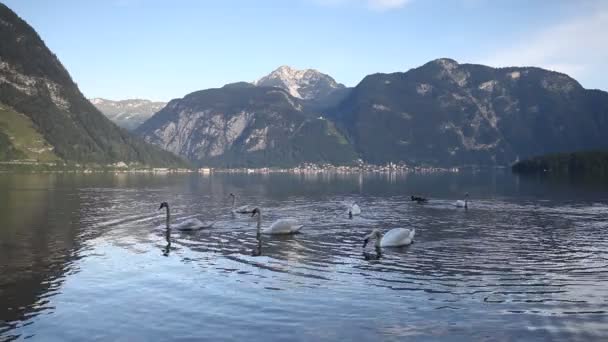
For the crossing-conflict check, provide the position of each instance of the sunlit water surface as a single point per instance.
(86, 257)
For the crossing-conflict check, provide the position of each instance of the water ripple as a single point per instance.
(543, 262)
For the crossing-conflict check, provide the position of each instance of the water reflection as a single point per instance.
(376, 255)
(40, 243)
(167, 249)
(257, 251)
(527, 259)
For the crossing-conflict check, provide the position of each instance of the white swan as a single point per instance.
(280, 226)
(186, 225)
(463, 204)
(244, 209)
(395, 237)
(354, 210)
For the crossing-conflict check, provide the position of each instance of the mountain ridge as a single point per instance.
(127, 113)
(444, 113)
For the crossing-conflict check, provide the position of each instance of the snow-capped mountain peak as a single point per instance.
(306, 84)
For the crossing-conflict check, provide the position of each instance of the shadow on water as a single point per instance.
(41, 241)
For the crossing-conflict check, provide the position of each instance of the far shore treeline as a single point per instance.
(587, 163)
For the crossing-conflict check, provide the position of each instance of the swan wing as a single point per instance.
(459, 203)
(284, 226)
(355, 209)
(398, 237)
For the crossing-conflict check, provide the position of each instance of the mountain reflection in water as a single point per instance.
(88, 257)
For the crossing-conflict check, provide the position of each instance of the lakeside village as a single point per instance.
(305, 168)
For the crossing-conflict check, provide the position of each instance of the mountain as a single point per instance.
(308, 84)
(446, 113)
(128, 114)
(52, 112)
(442, 114)
(245, 125)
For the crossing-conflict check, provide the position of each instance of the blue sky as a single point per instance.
(161, 49)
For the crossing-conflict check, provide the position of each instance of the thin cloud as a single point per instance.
(127, 3)
(383, 5)
(576, 47)
(378, 5)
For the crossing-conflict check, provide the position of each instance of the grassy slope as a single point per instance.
(21, 140)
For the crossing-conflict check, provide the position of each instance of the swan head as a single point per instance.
(255, 211)
(466, 195)
(232, 195)
(375, 234)
(163, 205)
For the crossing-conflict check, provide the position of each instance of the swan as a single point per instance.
(419, 199)
(186, 225)
(354, 210)
(280, 226)
(240, 210)
(395, 237)
(463, 204)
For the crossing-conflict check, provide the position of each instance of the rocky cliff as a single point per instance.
(246, 125)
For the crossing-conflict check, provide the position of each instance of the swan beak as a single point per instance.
(161, 206)
(365, 242)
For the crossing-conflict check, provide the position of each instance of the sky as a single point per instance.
(162, 49)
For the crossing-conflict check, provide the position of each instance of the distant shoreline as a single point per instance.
(582, 163)
(16, 167)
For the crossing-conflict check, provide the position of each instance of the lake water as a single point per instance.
(86, 257)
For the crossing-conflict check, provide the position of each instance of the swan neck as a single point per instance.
(378, 241)
(233, 201)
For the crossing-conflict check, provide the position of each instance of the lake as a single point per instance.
(86, 257)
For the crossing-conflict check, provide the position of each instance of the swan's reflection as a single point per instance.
(167, 248)
(376, 255)
(257, 250)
